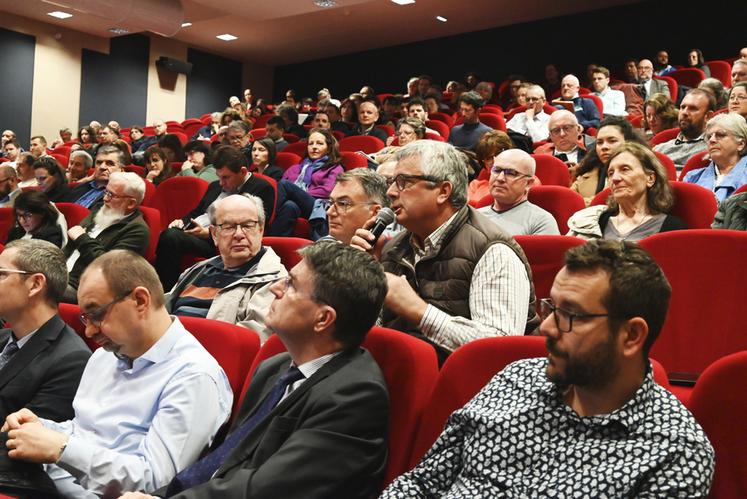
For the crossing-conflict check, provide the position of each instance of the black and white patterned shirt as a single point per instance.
(518, 438)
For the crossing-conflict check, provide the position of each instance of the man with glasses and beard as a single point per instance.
(150, 400)
(117, 224)
(9, 190)
(588, 419)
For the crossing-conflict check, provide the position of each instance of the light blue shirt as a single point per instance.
(138, 426)
(706, 177)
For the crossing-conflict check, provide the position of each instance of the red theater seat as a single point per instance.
(286, 248)
(177, 196)
(561, 202)
(664, 136)
(551, 171)
(365, 143)
(545, 255)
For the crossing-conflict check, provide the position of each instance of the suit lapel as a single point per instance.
(39, 342)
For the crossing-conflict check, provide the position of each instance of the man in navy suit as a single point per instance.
(585, 110)
(41, 358)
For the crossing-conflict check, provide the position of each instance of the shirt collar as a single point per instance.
(433, 241)
(157, 352)
(681, 139)
(312, 366)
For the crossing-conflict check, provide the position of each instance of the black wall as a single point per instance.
(606, 37)
(17, 62)
(213, 80)
(114, 86)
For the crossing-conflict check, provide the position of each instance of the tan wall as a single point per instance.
(167, 91)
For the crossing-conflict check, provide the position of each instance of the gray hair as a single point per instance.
(42, 257)
(258, 204)
(87, 159)
(112, 149)
(442, 161)
(734, 123)
(537, 88)
(374, 184)
(486, 85)
(134, 184)
(417, 125)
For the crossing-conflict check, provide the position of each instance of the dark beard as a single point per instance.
(595, 370)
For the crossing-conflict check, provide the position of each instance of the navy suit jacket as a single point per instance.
(43, 376)
(327, 438)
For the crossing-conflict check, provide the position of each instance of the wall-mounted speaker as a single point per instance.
(174, 65)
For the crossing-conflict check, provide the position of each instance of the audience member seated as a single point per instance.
(467, 135)
(663, 67)
(739, 71)
(37, 218)
(263, 159)
(235, 285)
(290, 117)
(9, 189)
(485, 90)
(696, 108)
(11, 151)
(738, 99)
(86, 138)
(90, 195)
(207, 132)
(715, 86)
(590, 176)
(327, 393)
(448, 240)
(189, 235)
(38, 146)
(368, 117)
(585, 110)
(511, 178)
(42, 359)
(139, 143)
(5, 137)
(157, 165)
(490, 145)
(534, 121)
(172, 146)
(348, 116)
(567, 140)
(335, 119)
(408, 130)
(25, 170)
(199, 162)
(274, 129)
(150, 401)
(639, 201)
(77, 167)
(612, 100)
(649, 85)
(659, 114)
(416, 109)
(593, 396)
(726, 139)
(115, 224)
(358, 196)
(696, 60)
(732, 213)
(51, 179)
(321, 120)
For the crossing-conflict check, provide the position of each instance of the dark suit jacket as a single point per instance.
(327, 439)
(254, 186)
(44, 375)
(48, 232)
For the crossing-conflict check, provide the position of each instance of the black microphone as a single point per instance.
(383, 219)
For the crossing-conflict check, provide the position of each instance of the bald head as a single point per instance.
(739, 70)
(743, 53)
(511, 178)
(8, 180)
(569, 87)
(519, 160)
(564, 130)
(645, 69)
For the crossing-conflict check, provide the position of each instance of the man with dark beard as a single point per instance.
(117, 224)
(587, 420)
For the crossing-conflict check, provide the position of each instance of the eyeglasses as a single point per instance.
(508, 172)
(564, 128)
(236, 138)
(737, 97)
(246, 227)
(26, 215)
(96, 317)
(342, 205)
(718, 135)
(110, 194)
(5, 272)
(404, 181)
(534, 99)
(41, 179)
(563, 318)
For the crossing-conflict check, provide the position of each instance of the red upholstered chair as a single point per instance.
(177, 196)
(73, 213)
(492, 109)
(61, 159)
(274, 185)
(671, 83)
(297, 148)
(410, 369)
(447, 119)
(291, 138)
(465, 373)
(7, 219)
(561, 202)
(551, 171)
(547, 108)
(719, 404)
(286, 248)
(486, 200)
(721, 70)
(695, 162)
(664, 136)
(152, 217)
(365, 143)
(150, 193)
(597, 102)
(689, 77)
(704, 322)
(258, 133)
(71, 315)
(439, 126)
(234, 347)
(668, 164)
(191, 126)
(388, 129)
(695, 205)
(545, 255)
(740, 190)
(352, 160)
(261, 122)
(139, 170)
(286, 159)
(180, 135)
(302, 229)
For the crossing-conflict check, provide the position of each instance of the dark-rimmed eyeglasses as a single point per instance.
(404, 181)
(97, 316)
(563, 318)
(508, 172)
(342, 205)
(247, 227)
(110, 194)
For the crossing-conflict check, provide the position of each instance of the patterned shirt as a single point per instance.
(680, 149)
(518, 438)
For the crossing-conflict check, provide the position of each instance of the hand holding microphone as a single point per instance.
(365, 239)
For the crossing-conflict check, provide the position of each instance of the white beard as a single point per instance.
(106, 217)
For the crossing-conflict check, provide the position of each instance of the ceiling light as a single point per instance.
(325, 3)
(403, 2)
(186, 25)
(59, 15)
(119, 31)
(441, 18)
(226, 37)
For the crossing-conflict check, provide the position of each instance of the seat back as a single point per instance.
(286, 159)
(7, 219)
(664, 136)
(352, 160)
(73, 213)
(465, 373)
(721, 70)
(258, 133)
(719, 404)
(177, 196)
(561, 202)
(70, 313)
(365, 143)
(286, 248)
(546, 258)
(704, 321)
(672, 84)
(297, 148)
(551, 171)
(152, 217)
(439, 126)
(445, 118)
(597, 102)
(695, 162)
(668, 165)
(494, 121)
(690, 77)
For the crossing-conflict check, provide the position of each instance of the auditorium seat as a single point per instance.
(291, 138)
(352, 160)
(719, 404)
(286, 248)
(286, 159)
(388, 129)
(443, 117)
(546, 258)
(152, 217)
(721, 70)
(261, 122)
(695, 162)
(365, 143)
(139, 170)
(561, 202)
(191, 126)
(410, 369)
(668, 165)
(438, 126)
(258, 133)
(690, 77)
(551, 171)
(664, 136)
(70, 313)
(297, 148)
(73, 213)
(177, 196)
(695, 205)
(547, 108)
(181, 136)
(672, 84)
(597, 102)
(7, 219)
(150, 192)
